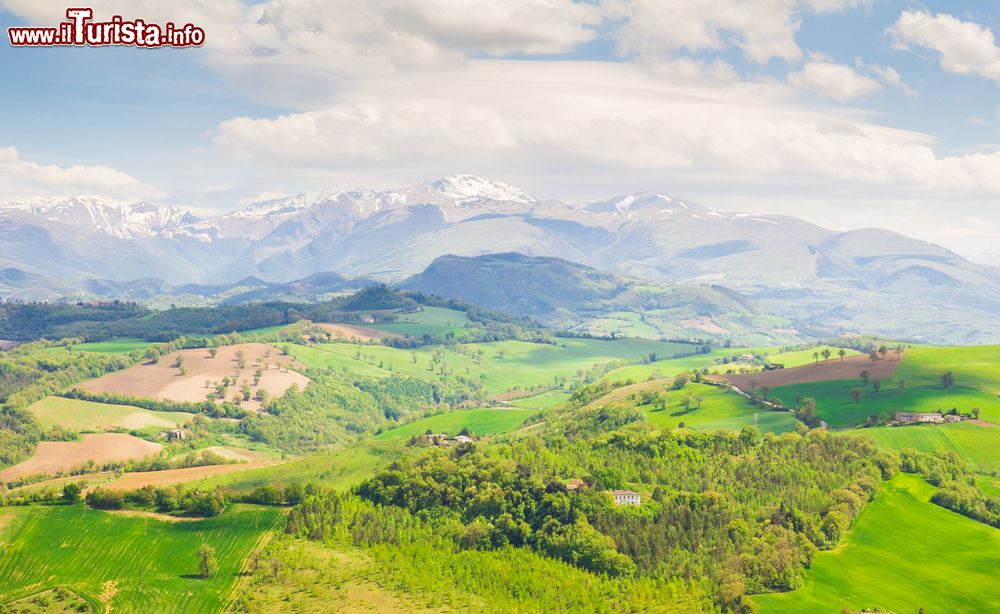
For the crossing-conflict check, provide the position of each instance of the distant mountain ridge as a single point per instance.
(829, 282)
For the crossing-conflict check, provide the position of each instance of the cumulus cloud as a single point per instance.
(23, 179)
(823, 76)
(965, 47)
(298, 52)
(653, 30)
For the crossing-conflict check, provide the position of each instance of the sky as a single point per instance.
(848, 113)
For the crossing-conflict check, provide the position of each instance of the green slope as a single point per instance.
(151, 564)
(904, 553)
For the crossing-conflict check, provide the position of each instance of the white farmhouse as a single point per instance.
(626, 497)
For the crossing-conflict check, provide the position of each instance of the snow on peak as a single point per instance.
(471, 187)
(110, 217)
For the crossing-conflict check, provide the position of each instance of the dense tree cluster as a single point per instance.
(744, 512)
(439, 556)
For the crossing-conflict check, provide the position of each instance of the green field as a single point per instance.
(976, 372)
(668, 367)
(506, 364)
(623, 324)
(904, 553)
(478, 421)
(339, 469)
(805, 357)
(111, 346)
(720, 410)
(542, 401)
(77, 415)
(267, 330)
(130, 564)
(977, 445)
(436, 321)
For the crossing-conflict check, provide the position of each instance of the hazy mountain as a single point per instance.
(568, 295)
(828, 282)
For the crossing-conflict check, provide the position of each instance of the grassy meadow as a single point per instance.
(78, 415)
(977, 445)
(720, 410)
(506, 364)
(127, 563)
(976, 384)
(436, 321)
(903, 553)
(798, 358)
(479, 421)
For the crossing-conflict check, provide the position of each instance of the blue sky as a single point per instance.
(846, 112)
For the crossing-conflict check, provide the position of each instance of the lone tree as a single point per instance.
(876, 385)
(207, 565)
(816, 357)
(856, 394)
(873, 356)
(71, 493)
(841, 352)
(864, 376)
(826, 355)
(947, 379)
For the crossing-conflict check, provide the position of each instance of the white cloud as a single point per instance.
(298, 52)
(823, 76)
(566, 119)
(965, 47)
(891, 76)
(23, 179)
(653, 30)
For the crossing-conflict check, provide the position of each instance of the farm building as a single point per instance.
(626, 497)
(918, 418)
(745, 359)
(953, 418)
(463, 439)
(574, 484)
(173, 434)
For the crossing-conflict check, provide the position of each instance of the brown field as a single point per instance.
(132, 481)
(704, 323)
(6, 344)
(54, 456)
(237, 454)
(164, 381)
(849, 369)
(347, 332)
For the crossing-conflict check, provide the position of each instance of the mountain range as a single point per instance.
(825, 282)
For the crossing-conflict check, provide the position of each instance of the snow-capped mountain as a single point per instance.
(838, 278)
(122, 220)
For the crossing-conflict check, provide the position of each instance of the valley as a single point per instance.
(391, 393)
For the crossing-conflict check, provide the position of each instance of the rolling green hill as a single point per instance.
(904, 553)
(127, 563)
(976, 384)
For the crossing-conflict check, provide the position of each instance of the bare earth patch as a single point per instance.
(347, 332)
(133, 481)
(850, 368)
(164, 380)
(237, 454)
(983, 423)
(704, 323)
(6, 344)
(151, 515)
(54, 456)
